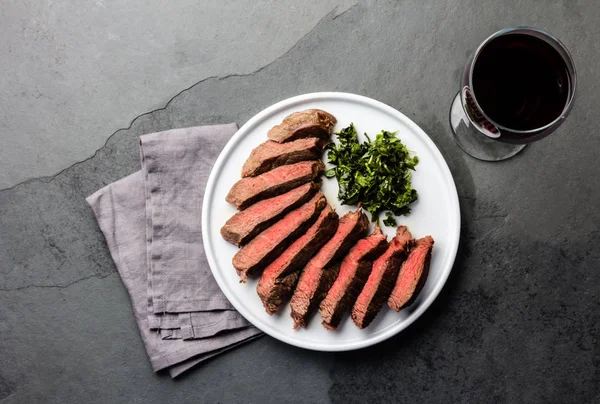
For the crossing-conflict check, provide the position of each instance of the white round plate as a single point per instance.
(436, 212)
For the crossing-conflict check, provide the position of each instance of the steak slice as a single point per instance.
(382, 279)
(354, 271)
(245, 225)
(271, 154)
(303, 124)
(412, 275)
(251, 259)
(319, 274)
(279, 278)
(248, 191)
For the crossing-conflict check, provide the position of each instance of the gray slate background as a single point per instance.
(518, 319)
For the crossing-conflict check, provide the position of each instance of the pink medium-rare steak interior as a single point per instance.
(246, 224)
(381, 279)
(354, 271)
(248, 191)
(251, 259)
(317, 277)
(270, 155)
(412, 275)
(276, 285)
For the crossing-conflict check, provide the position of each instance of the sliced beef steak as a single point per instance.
(279, 278)
(354, 271)
(412, 275)
(303, 124)
(248, 191)
(246, 224)
(382, 279)
(319, 274)
(271, 154)
(305, 304)
(251, 259)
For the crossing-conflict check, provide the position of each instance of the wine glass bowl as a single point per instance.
(517, 87)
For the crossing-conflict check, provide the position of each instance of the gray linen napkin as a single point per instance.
(121, 208)
(176, 165)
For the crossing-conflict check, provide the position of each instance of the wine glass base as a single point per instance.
(475, 143)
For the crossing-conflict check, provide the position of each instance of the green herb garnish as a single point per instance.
(375, 174)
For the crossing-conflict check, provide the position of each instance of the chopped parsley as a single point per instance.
(375, 174)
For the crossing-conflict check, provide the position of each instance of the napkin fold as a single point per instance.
(152, 224)
(176, 165)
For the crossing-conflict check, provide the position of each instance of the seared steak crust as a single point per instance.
(303, 124)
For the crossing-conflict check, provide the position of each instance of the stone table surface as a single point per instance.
(517, 322)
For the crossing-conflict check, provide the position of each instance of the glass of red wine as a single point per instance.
(517, 87)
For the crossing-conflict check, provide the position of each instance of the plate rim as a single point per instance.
(318, 96)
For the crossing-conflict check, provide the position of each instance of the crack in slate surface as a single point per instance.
(517, 320)
(49, 178)
(79, 253)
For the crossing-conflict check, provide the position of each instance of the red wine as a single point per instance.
(521, 82)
